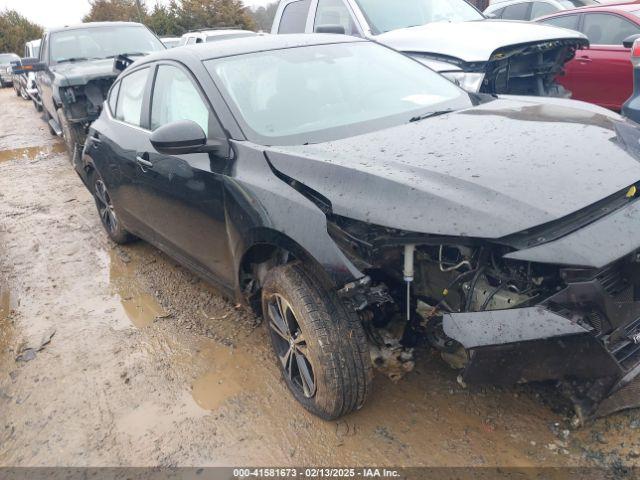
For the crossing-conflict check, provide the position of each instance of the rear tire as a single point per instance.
(37, 106)
(106, 210)
(74, 135)
(320, 345)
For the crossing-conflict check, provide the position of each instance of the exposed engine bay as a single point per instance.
(501, 321)
(529, 69)
(83, 103)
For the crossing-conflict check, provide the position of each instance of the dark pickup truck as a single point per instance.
(76, 69)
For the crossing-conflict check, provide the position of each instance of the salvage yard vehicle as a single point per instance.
(450, 36)
(6, 69)
(336, 185)
(76, 70)
(24, 79)
(213, 35)
(531, 9)
(601, 74)
(170, 42)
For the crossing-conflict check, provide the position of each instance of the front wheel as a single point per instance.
(107, 212)
(321, 346)
(73, 135)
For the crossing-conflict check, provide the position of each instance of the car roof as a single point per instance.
(241, 46)
(613, 7)
(94, 25)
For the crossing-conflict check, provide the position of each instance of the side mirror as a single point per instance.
(28, 64)
(183, 137)
(628, 42)
(337, 29)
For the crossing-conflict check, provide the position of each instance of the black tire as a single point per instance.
(73, 135)
(106, 210)
(37, 106)
(325, 339)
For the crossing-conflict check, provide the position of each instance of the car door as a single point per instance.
(115, 139)
(44, 78)
(608, 74)
(182, 195)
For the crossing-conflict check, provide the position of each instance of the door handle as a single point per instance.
(584, 59)
(141, 158)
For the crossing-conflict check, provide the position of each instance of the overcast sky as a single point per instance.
(53, 13)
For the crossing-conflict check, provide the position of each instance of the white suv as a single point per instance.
(206, 36)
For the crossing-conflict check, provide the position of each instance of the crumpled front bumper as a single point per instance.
(586, 335)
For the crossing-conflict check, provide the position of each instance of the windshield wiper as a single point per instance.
(73, 59)
(417, 118)
(127, 54)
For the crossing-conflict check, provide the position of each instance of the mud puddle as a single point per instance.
(32, 153)
(139, 306)
(229, 375)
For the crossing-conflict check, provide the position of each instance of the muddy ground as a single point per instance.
(113, 356)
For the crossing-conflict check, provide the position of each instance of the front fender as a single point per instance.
(261, 208)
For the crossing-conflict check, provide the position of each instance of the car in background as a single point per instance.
(450, 36)
(77, 66)
(602, 73)
(213, 35)
(531, 9)
(337, 186)
(24, 80)
(170, 42)
(6, 69)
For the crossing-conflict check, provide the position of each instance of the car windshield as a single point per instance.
(386, 15)
(7, 58)
(101, 42)
(325, 92)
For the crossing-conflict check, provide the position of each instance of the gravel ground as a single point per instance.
(118, 356)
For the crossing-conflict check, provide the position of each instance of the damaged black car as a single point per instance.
(336, 186)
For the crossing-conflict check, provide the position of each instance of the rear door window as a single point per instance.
(565, 21)
(294, 17)
(131, 96)
(607, 29)
(519, 11)
(540, 9)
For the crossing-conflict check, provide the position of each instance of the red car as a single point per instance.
(601, 74)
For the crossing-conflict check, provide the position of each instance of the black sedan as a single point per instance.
(335, 186)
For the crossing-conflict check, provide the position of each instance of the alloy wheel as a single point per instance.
(105, 207)
(290, 344)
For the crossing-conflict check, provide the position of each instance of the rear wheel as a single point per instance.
(107, 212)
(320, 345)
(37, 106)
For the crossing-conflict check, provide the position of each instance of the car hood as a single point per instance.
(80, 73)
(473, 41)
(486, 172)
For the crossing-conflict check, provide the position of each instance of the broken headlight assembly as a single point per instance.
(469, 81)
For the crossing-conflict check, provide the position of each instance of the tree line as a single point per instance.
(171, 19)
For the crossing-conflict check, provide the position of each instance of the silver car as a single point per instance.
(531, 9)
(6, 71)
